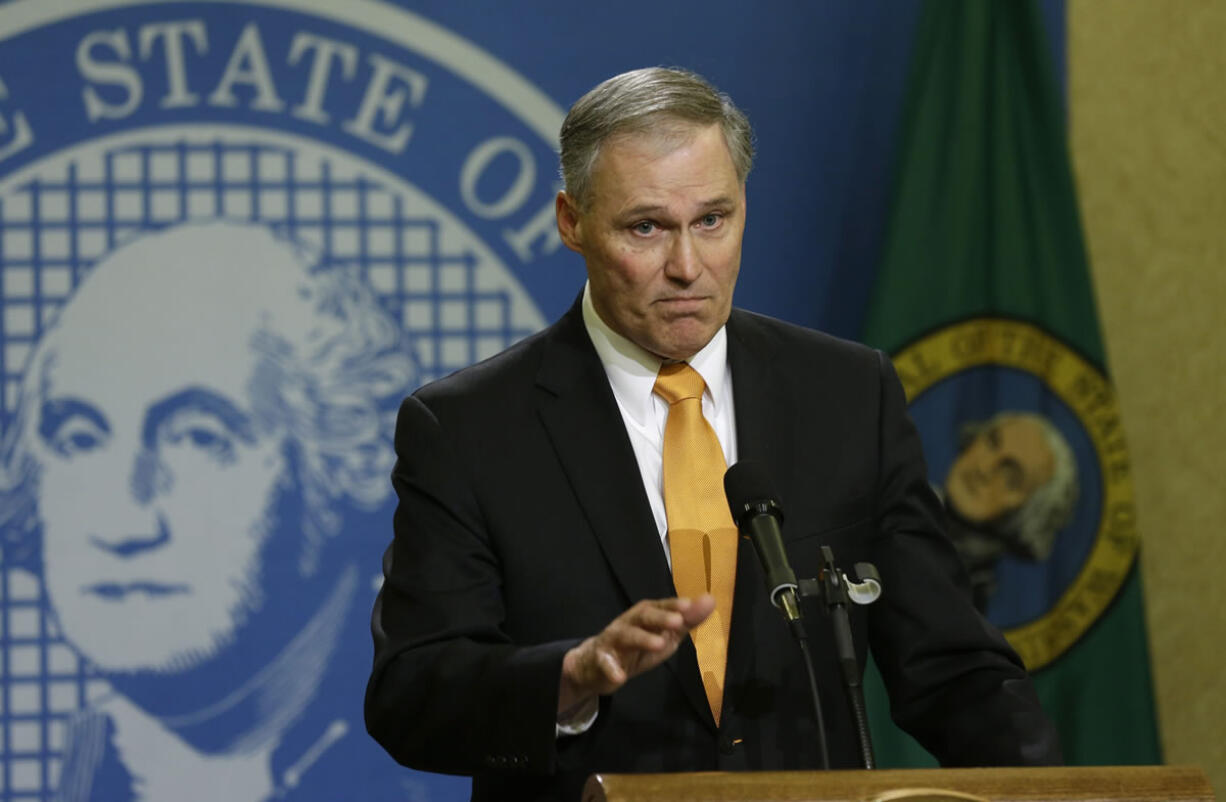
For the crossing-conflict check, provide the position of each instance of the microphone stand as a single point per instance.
(836, 591)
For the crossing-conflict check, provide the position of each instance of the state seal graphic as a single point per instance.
(1024, 443)
(233, 236)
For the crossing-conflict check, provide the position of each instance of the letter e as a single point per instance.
(23, 135)
(378, 100)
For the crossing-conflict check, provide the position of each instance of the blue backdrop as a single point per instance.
(232, 236)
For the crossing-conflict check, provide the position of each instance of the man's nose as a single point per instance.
(134, 524)
(150, 476)
(684, 264)
(131, 544)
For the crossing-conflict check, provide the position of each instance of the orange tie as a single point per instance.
(702, 538)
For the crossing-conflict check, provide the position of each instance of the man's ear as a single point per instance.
(569, 222)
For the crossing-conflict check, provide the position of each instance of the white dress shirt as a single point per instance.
(632, 374)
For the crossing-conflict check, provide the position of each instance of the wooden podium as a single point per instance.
(1065, 784)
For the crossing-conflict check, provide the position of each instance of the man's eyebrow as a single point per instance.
(721, 200)
(656, 208)
(197, 399)
(54, 411)
(640, 210)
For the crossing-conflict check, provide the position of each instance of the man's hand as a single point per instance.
(637, 640)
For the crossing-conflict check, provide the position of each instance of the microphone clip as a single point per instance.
(835, 588)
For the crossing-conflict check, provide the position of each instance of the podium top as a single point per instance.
(1063, 784)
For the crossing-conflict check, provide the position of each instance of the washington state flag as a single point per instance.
(983, 300)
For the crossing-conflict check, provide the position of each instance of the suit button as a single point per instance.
(727, 744)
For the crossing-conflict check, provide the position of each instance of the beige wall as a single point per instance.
(1147, 98)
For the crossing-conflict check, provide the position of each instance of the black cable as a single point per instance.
(803, 642)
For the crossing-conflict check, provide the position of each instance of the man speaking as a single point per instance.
(566, 591)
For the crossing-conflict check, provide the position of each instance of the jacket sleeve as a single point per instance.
(954, 683)
(449, 691)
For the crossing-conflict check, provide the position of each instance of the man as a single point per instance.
(1010, 490)
(188, 431)
(529, 631)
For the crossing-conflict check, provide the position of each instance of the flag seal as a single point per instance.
(1037, 480)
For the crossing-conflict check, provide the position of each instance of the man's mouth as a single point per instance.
(683, 302)
(118, 591)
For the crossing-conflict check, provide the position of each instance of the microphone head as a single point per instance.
(749, 491)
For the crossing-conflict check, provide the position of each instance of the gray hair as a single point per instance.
(1033, 526)
(659, 100)
(335, 397)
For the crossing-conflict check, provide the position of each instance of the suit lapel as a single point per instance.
(580, 414)
(765, 415)
(765, 410)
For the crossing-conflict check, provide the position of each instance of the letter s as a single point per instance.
(114, 73)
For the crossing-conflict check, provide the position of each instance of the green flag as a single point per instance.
(983, 299)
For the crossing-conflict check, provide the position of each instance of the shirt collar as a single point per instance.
(632, 369)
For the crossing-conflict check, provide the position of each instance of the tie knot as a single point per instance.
(677, 382)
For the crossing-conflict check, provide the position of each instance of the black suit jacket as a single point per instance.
(523, 527)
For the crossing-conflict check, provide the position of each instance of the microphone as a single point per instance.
(752, 501)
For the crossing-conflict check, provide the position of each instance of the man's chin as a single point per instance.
(127, 659)
(682, 339)
(141, 632)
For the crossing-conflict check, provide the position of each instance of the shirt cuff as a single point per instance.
(579, 721)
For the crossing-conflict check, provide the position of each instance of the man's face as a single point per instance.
(999, 470)
(156, 482)
(661, 237)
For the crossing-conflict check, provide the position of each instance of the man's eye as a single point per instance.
(215, 444)
(76, 438)
(643, 227)
(711, 220)
(203, 438)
